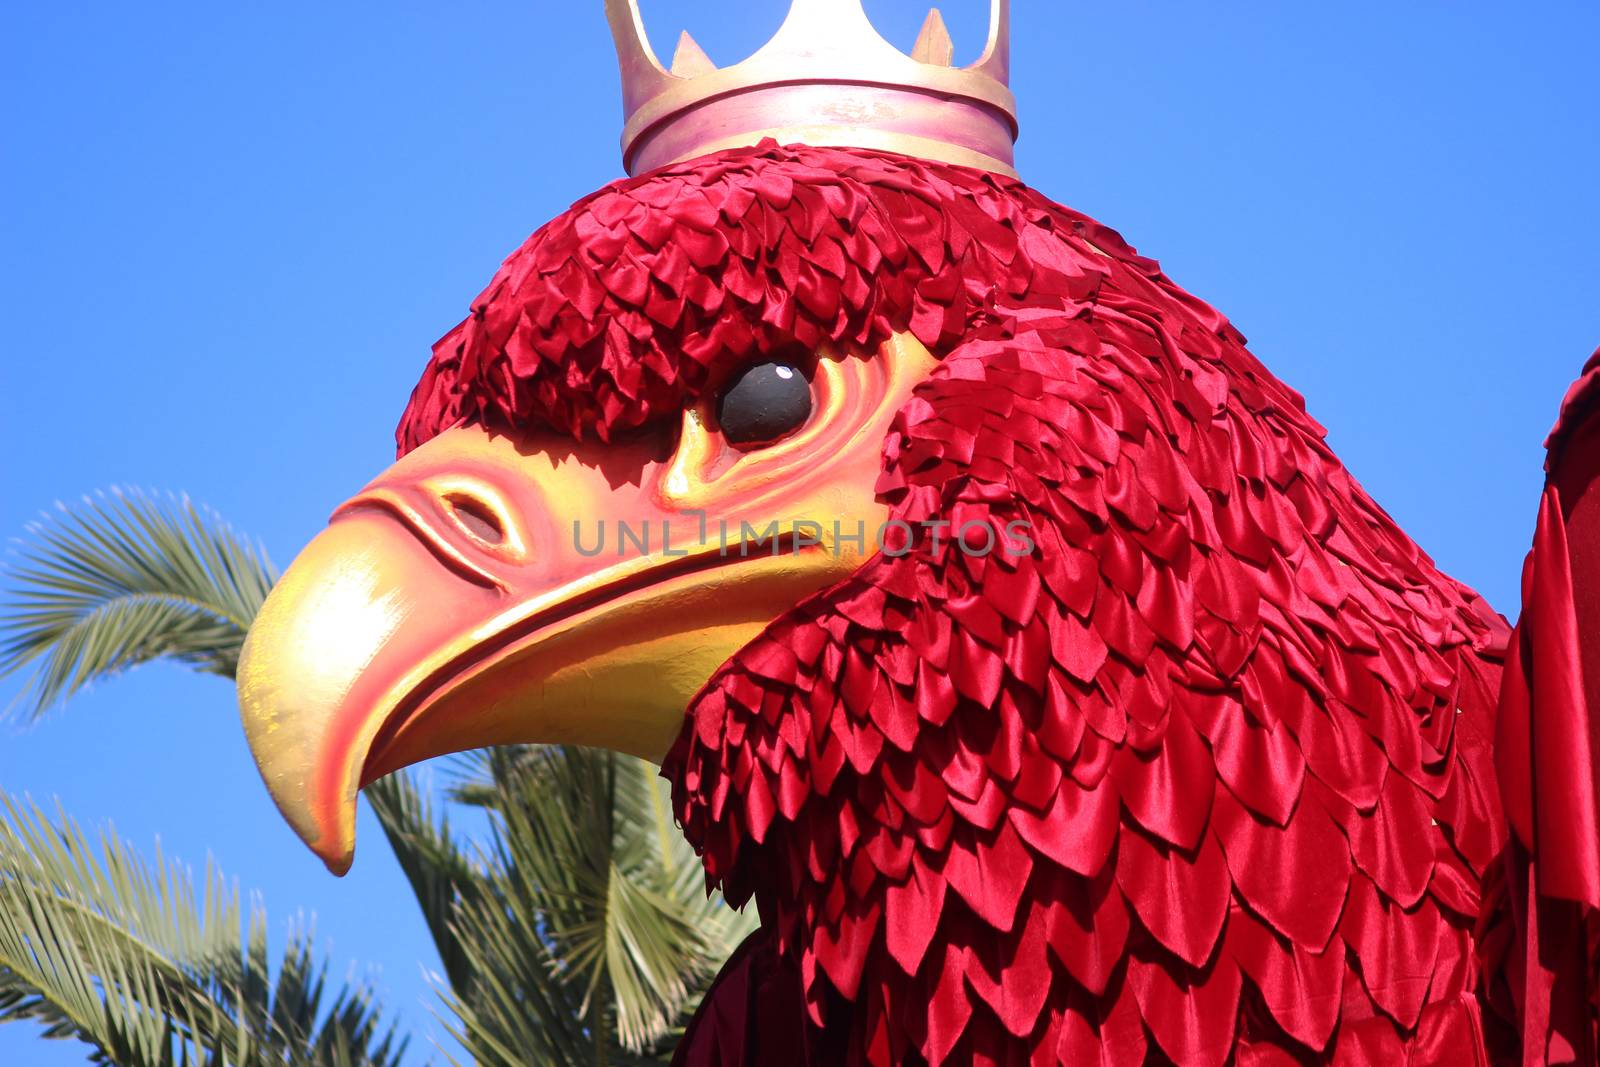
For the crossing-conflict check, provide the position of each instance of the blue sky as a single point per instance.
(231, 233)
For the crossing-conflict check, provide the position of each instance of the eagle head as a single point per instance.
(1006, 630)
(660, 429)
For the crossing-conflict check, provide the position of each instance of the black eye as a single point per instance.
(764, 403)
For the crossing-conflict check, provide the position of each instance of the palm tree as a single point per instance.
(580, 933)
(100, 945)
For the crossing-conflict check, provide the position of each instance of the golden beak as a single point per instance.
(489, 590)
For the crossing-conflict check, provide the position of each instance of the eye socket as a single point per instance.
(478, 518)
(763, 404)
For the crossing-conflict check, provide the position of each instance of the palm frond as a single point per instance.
(98, 944)
(517, 1010)
(626, 937)
(124, 578)
(441, 874)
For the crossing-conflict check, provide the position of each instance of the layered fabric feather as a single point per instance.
(1548, 748)
(1198, 768)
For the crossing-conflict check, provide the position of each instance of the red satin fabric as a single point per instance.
(1548, 746)
(752, 1016)
(1206, 775)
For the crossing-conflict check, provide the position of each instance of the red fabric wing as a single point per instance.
(1548, 747)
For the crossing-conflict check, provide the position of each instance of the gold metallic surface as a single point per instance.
(818, 40)
(453, 603)
(321, 627)
(869, 90)
(933, 44)
(857, 137)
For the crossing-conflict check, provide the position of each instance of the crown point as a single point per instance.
(933, 41)
(690, 60)
(996, 58)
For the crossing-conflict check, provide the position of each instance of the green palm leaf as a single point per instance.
(100, 945)
(123, 579)
(628, 939)
(442, 876)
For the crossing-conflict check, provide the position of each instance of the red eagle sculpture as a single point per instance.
(1009, 634)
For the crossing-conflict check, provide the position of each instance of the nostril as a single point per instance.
(478, 518)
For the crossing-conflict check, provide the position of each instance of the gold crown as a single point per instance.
(825, 78)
